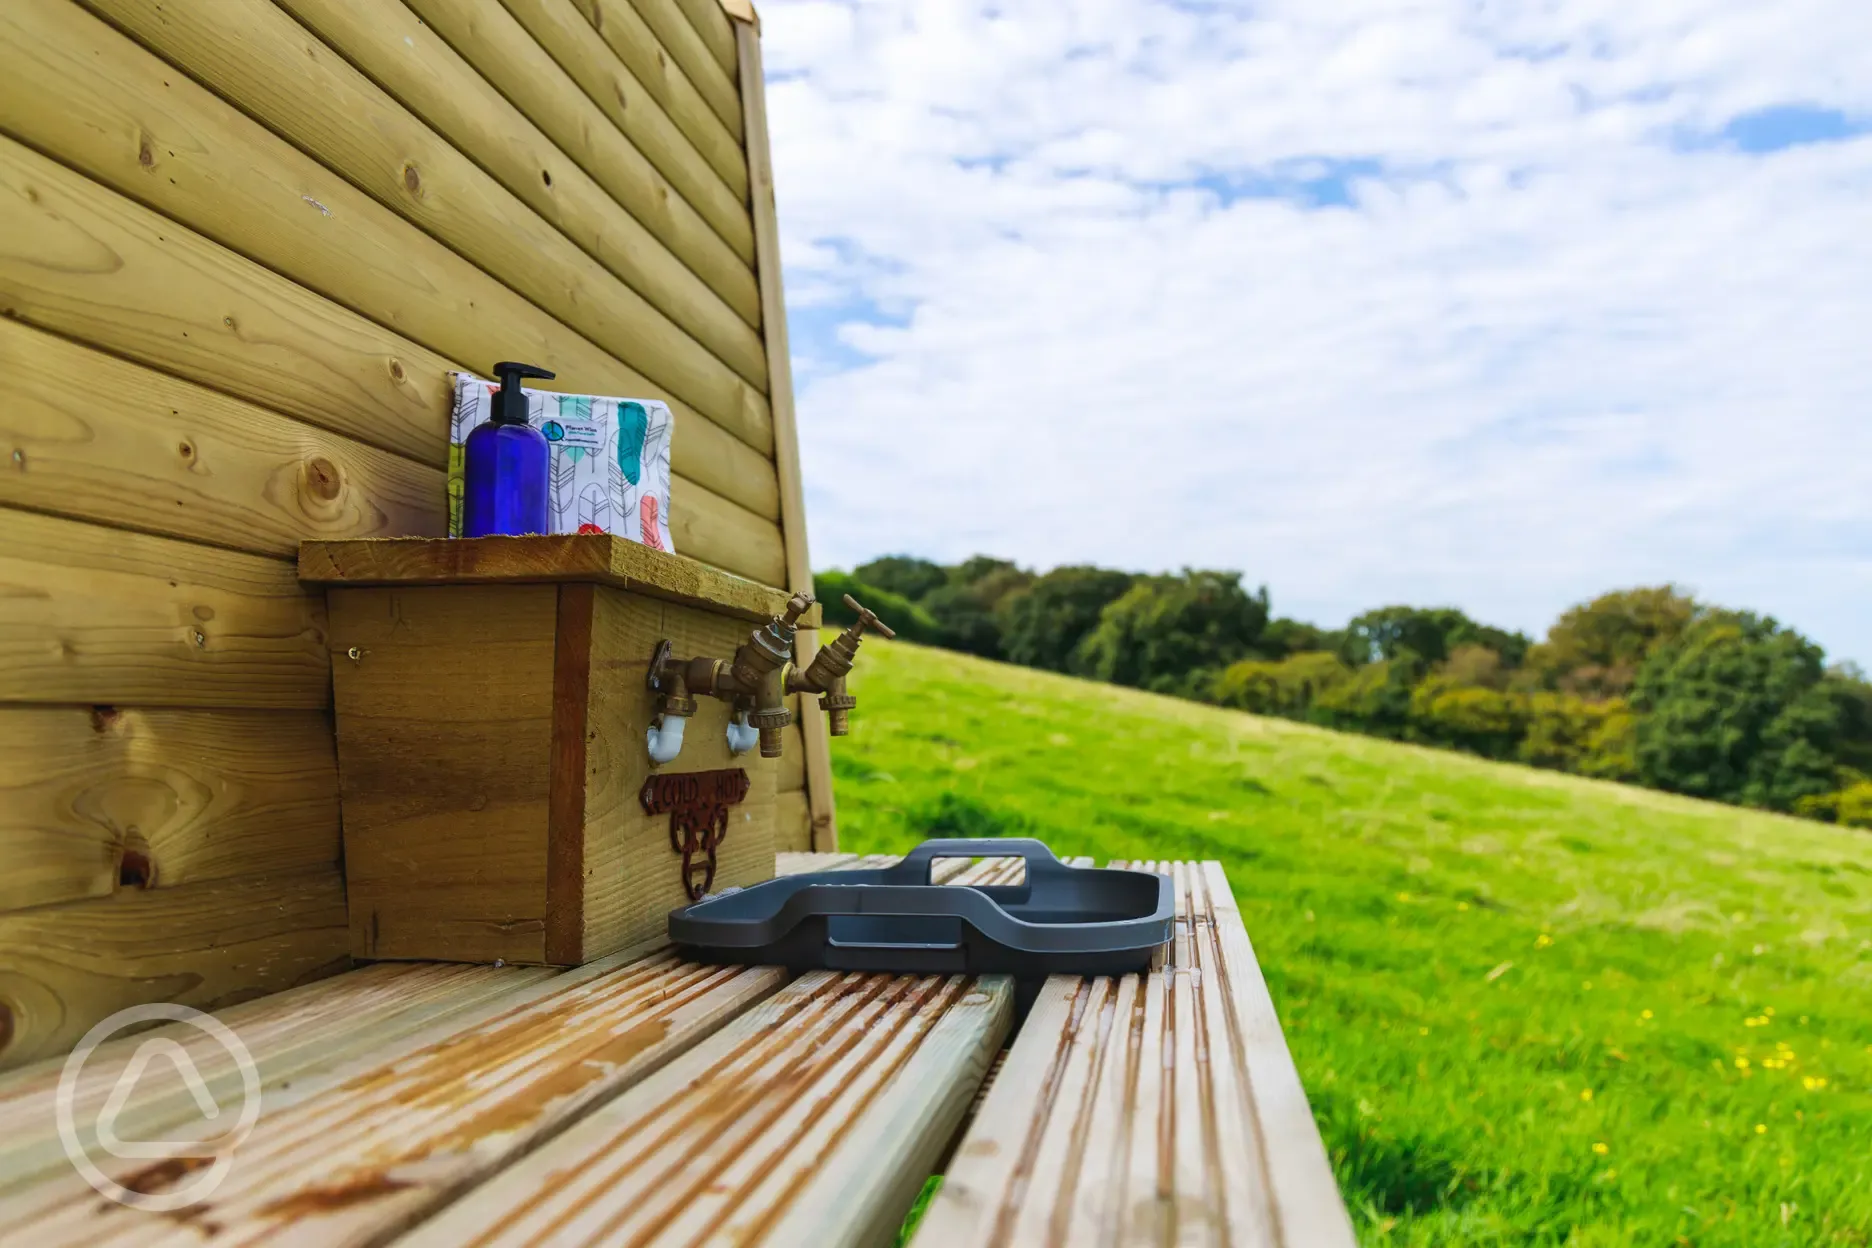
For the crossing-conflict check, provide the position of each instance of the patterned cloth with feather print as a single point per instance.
(610, 462)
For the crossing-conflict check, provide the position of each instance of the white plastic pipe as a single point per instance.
(742, 736)
(666, 738)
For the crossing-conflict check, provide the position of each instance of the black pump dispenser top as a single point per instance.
(510, 405)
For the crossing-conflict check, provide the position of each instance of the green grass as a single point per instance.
(1521, 1002)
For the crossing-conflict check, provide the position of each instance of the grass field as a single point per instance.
(1528, 1009)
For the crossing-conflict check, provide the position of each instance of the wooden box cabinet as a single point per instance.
(491, 714)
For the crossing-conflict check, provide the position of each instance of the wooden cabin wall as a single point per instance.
(242, 245)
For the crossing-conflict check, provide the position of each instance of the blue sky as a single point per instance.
(1376, 301)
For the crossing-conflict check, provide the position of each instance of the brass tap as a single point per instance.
(825, 675)
(757, 680)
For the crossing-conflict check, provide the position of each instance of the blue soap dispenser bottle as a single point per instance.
(504, 466)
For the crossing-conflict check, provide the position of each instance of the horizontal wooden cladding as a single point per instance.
(610, 84)
(707, 110)
(63, 968)
(489, 38)
(406, 58)
(259, 59)
(89, 264)
(692, 55)
(710, 528)
(86, 95)
(98, 799)
(98, 615)
(95, 438)
(712, 25)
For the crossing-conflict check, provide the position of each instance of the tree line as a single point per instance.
(1647, 686)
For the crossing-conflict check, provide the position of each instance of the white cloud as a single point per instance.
(1064, 290)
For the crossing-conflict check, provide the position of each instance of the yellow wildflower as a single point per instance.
(1761, 1128)
(1542, 941)
(1585, 1094)
(1645, 1014)
(1742, 1063)
(1601, 1149)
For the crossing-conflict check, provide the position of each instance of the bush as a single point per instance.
(905, 575)
(908, 620)
(1043, 624)
(1163, 629)
(1596, 648)
(1484, 721)
(1428, 633)
(1850, 807)
(1375, 699)
(1737, 709)
(1568, 733)
(1287, 687)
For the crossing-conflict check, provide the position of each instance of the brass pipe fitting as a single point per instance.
(825, 675)
(761, 674)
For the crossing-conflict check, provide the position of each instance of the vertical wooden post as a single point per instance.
(780, 397)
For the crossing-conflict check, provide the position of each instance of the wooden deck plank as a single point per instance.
(760, 1134)
(360, 1152)
(288, 1033)
(1153, 1109)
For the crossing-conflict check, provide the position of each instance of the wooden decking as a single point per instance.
(644, 1100)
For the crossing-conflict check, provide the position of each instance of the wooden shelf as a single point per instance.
(596, 558)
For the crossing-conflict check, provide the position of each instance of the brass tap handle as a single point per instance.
(867, 617)
(796, 606)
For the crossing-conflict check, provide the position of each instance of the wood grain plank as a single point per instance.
(289, 1034)
(94, 799)
(1307, 1202)
(84, 93)
(818, 742)
(792, 822)
(411, 62)
(259, 59)
(634, 109)
(712, 24)
(87, 264)
(97, 615)
(361, 1156)
(633, 879)
(63, 968)
(90, 265)
(93, 266)
(489, 38)
(733, 538)
(713, 125)
(693, 57)
(600, 558)
(791, 777)
(1132, 1111)
(446, 780)
(761, 1133)
(97, 438)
